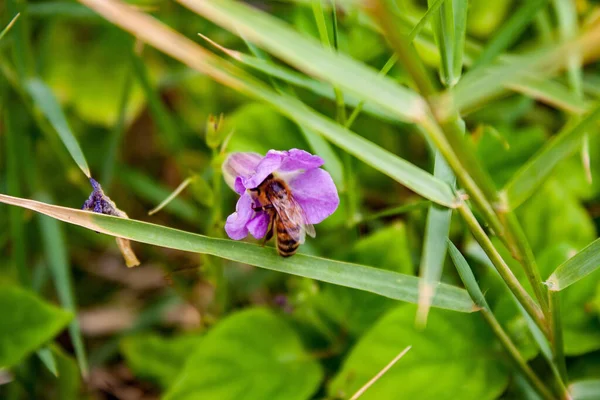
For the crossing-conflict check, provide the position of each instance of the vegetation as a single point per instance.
(462, 261)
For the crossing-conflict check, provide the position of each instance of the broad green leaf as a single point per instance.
(456, 351)
(578, 267)
(553, 216)
(309, 55)
(58, 261)
(357, 311)
(186, 51)
(537, 169)
(27, 323)
(585, 390)
(158, 358)
(45, 100)
(253, 354)
(386, 283)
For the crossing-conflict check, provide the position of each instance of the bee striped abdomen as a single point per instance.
(286, 245)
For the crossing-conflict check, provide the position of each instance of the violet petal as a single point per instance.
(236, 224)
(316, 193)
(258, 225)
(240, 165)
(269, 164)
(296, 159)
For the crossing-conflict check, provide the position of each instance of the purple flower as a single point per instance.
(311, 187)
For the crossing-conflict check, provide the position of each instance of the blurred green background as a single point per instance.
(192, 326)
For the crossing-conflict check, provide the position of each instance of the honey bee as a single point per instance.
(287, 218)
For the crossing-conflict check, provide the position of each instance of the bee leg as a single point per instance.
(263, 208)
(269, 234)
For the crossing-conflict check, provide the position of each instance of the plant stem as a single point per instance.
(557, 334)
(515, 356)
(507, 275)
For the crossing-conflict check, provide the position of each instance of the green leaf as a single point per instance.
(356, 311)
(459, 10)
(157, 358)
(386, 283)
(27, 323)
(253, 354)
(45, 100)
(457, 350)
(443, 30)
(531, 175)
(577, 267)
(585, 390)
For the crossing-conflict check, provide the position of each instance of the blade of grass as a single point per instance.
(390, 212)
(15, 217)
(577, 267)
(117, 132)
(308, 55)
(152, 31)
(10, 25)
(443, 31)
(566, 15)
(385, 369)
(55, 248)
(482, 83)
(557, 334)
(47, 358)
(45, 100)
(173, 195)
(383, 282)
(459, 10)
(166, 127)
(466, 275)
(585, 390)
(510, 31)
(531, 175)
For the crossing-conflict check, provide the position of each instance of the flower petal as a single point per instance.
(316, 193)
(240, 165)
(269, 164)
(297, 159)
(236, 224)
(259, 224)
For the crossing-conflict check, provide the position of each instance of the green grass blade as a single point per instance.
(179, 47)
(56, 252)
(466, 275)
(510, 31)
(459, 9)
(383, 282)
(48, 360)
(531, 175)
(10, 25)
(45, 100)
(577, 267)
(297, 79)
(13, 137)
(166, 128)
(585, 390)
(443, 30)
(309, 56)
(173, 195)
(481, 84)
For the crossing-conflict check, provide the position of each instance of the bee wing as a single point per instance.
(290, 210)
